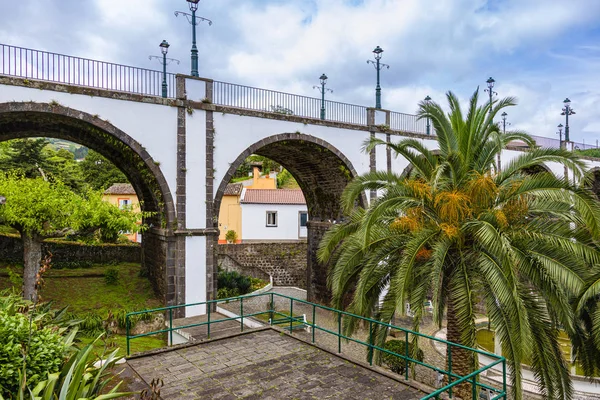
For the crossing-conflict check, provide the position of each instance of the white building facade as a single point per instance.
(273, 215)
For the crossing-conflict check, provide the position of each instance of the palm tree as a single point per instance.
(522, 241)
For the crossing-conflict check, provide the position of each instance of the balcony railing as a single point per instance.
(287, 312)
(251, 98)
(46, 66)
(60, 68)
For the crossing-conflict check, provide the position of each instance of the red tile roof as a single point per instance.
(120, 188)
(273, 196)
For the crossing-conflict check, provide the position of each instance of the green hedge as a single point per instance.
(398, 364)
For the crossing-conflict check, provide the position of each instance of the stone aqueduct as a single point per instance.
(179, 153)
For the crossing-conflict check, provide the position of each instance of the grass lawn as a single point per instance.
(265, 318)
(135, 345)
(85, 290)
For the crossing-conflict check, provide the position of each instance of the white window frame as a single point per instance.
(274, 224)
(124, 203)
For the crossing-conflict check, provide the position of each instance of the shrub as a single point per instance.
(91, 323)
(111, 276)
(231, 236)
(120, 318)
(44, 355)
(232, 280)
(395, 363)
(79, 377)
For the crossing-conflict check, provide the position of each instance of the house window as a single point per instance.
(124, 203)
(271, 218)
(303, 219)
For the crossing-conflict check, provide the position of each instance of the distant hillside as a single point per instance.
(79, 151)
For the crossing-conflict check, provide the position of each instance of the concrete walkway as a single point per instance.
(264, 365)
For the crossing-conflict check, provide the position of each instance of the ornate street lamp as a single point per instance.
(566, 111)
(490, 84)
(164, 49)
(322, 89)
(192, 20)
(504, 123)
(378, 65)
(560, 135)
(428, 101)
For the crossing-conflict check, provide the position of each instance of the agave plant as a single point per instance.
(522, 241)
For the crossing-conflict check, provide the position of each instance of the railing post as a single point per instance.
(474, 387)
(406, 355)
(242, 314)
(504, 377)
(314, 322)
(209, 306)
(291, 314)
(170, 327)
(449, 368)
(271, 310)
(339, 332)
(127, 331)
(370, 343)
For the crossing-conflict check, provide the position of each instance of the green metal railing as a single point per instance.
(280, 318)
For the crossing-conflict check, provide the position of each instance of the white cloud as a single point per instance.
(431, 45)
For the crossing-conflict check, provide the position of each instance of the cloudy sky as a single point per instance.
(540, 51)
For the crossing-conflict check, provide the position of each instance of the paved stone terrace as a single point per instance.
(264, 365)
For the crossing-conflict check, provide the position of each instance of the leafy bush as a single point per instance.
(398, 364)
(111, 276)
(91, 323)
(44, 347)
(231, 236)
(78, 378)
(120, 318)
(235, 284)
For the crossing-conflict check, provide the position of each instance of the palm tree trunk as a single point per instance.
(32, 257)
(462, 360)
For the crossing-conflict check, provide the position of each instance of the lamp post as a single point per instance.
(490, 84)
(504, 123)
(428, 127)
(560, 141)
(322, 89)
(378, 65)
(566, 111)
(192, 20)
(164, 49)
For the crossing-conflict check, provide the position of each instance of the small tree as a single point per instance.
(39, 209)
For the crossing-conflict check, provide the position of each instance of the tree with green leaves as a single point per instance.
(40, 209)
(26, 156)
(36, 157)
(524, 244)
(99, 172)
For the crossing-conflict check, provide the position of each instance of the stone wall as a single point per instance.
(11, 250)
(285, 262)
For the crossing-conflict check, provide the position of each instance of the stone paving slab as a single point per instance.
(265, 365)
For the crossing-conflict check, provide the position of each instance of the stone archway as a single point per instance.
(29, 119)
(322, 172)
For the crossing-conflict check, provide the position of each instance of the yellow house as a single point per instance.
(123, 195)
(230, 212)
(261, 182)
